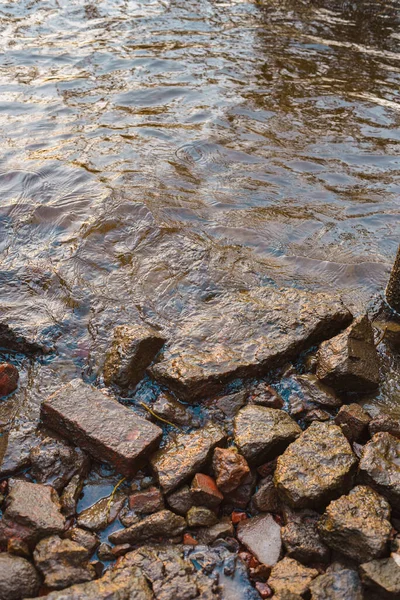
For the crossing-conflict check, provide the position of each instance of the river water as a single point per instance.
(156, 152)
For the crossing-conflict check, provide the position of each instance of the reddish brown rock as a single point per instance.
(205, 492)
(353, 421)
(240, 497)
(163, 524)
(181, 500)
(78, 411)
(265, 395)
(8, 379)
(230, 468)
(386, 423)
(146, 502)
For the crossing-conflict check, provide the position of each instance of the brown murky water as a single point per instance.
(155, 152)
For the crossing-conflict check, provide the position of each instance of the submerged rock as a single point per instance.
(101, 513)
(133, 350)
(379, 466)
(9, 377)
(185, 455)
(349, 362)
(301, 539)
(78, 411)
(18, 578)
(343, 584)
(262, 433)
(301, 481)
(262, 536)
(161, 524)
(357, 525)
(243, 334)
(230, 468)
(382, 578)
(288, 575)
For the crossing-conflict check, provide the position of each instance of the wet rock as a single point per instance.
(15, 447)
(101, 513)
(382, 578)
(121, 550)
(20, 339)
(230, 468)
(265, 395)
(164, 524)
(262, 536)
(266, 498)
(349, 362)
(337, 585)
(62, 562)
(230, 404)
(170, 409)
(105, 552)
(311, 391)
(32, 512)
(18, 578)
(133, 349)
(241, 496)
(379, 466)
(288, 575)
(128, 517)
(386, 423)
(353, 421)
(316, 414)
(200, 516)
(245, 333)
(55, 463)
(185, 455)
(70, 495)
(84, 538)
(301, 539)
(357, 525)
(181, 500)
(205, 492)
(299, 478)
(74, 411)
(208, 535)
(263, 433)
(146, 502)
(18, 547)
(9, 377)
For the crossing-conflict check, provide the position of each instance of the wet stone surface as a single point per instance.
(288, 575)
(18, 578)
(9, 377)
(343, 584)
(301, 538)
(158, 525)
(382, 578)
(379, 466)
(230, 468)
(262, 536)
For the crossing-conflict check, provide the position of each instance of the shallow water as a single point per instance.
(155, 152)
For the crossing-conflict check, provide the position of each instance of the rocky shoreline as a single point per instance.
(225, 485)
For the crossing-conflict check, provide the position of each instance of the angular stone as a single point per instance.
(349, 362)
(84, 538)
(18, 578)
(230, 468)
(266, 498)
(230, 404)
(337, 585)
(8, 379)
(208, 535)
(288, 575)
(200, 516)
(62, 562)
(204, 491)
(382, 578)
(170, 409)
(262, 537)
(164, 524)
(299, 477)
(79, 411)
(20, 339)
(101, 513)
(104, 552)
(133, 349)
(301, 539)
(241, 496)
(311, 392)
(357, 525)
(70, 495)
(262, 433)
(386, 423)
(185, 455)
(353, 421)
(246, 333)
(15, 447)
(265, 395)
(146, 502)
(181, 500)
(380, 466)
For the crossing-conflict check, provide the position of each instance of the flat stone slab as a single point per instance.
(246, 333)
(107, 430)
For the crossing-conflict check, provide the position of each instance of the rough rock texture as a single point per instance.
(266, 498)
(380, 466)
(288, 575)
(349, 362)
(147, 501)
(70, 495)
(299, 475)
(382, 578)
(101, 513)
(170, 409)
(301, 539)
(204, 491)
(55, 463)
(185, 455)
(265, 395)
(18, 578)
(357, 525)
(84, 538)
(246, 333)
(133, 350)
(311, 392)
(263, 433)
(262, 536)
(9, 377)
(78, 411)
(353, 421)
(161, 524)
(32, 512)
(62, 562)
(208, 535)
(200, 516)
(15, 447)
(384, 422)
(230, 468)
(241, 497)
(337, 585)
(181, 500)
(20, 339)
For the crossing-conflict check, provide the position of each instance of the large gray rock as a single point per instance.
(357, 525)
(78, 411)
(262, 536)
(18, 578)
(161, 524)
(246, 333)
(343, 584)
(299, 476)
(262, 433)
(382, 578)
(185, 455)
(349, 362)
(380, 466)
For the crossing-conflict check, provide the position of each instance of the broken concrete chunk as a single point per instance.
(185, 455)
(18, 578)
(262, 536)
(161, 524)
(344, 584)
(299, 478)
(380, 466)
(382, 578)
(349, 362)
(246, 333)
(78, 411)
(133, 350)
